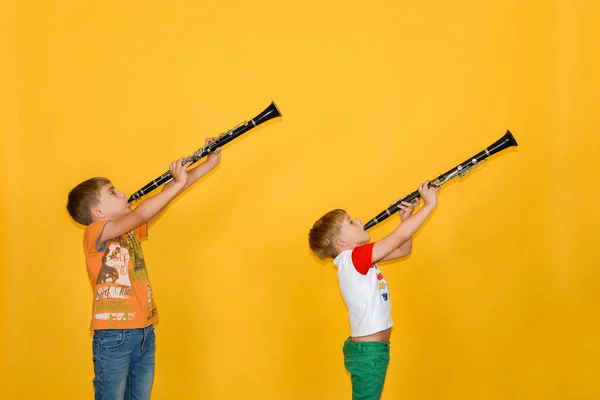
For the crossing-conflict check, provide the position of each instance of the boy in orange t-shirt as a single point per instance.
(123, 307)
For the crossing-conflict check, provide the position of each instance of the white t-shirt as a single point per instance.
(365, 291)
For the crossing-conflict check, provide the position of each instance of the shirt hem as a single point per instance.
(129, 326)
(376, 330)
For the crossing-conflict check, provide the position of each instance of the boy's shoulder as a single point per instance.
(359, 257)
(363, 250)
(94, 227)
(91, 235)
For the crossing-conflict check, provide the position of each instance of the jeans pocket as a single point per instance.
(381, 360)
(113, 340)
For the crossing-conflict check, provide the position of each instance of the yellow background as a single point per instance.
(499, 298)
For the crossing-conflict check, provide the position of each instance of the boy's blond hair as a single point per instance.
(324, 232)
(83, 197)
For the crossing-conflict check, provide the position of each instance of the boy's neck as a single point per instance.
(350, 246)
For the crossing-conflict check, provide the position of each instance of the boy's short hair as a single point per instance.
(83, 197)
(323, 234)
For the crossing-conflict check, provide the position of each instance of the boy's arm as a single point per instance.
(404, 232)
(211, 162)
(147, 208)
(402, 251)
(406, 210)
(196, 173)
(193, 176)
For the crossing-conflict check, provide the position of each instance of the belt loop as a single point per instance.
(359, 347)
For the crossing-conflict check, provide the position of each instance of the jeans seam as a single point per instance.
(143, 341)
(130, 386)
(100, 375)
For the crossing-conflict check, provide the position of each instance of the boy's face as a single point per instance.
(352, 234)
(113, 203)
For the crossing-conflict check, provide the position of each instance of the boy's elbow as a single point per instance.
(406, 247)
(403, 240)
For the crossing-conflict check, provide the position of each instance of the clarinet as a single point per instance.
(460, 170)
(268, 113)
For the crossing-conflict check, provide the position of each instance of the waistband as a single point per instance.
(146, 329)
(372, 347)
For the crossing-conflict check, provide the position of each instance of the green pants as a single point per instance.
(367, 363)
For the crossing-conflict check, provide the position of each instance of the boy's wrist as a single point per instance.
(178, 185)
(429, 205)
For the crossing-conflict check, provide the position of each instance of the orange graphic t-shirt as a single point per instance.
(117, 271)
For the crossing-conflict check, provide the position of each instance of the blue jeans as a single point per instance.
(123, 363)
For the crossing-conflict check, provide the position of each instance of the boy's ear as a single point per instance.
(340, 242)
(96, 212)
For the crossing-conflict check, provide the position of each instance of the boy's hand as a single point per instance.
(179, 172)
(215, 157)
(428, 194)
(406, 208)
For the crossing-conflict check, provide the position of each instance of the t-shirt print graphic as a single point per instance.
(139, 271)
(115, 263)
(383, 287)
(122, 274)
(113, 283)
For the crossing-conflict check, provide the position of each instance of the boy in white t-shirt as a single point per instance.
(364, 289)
